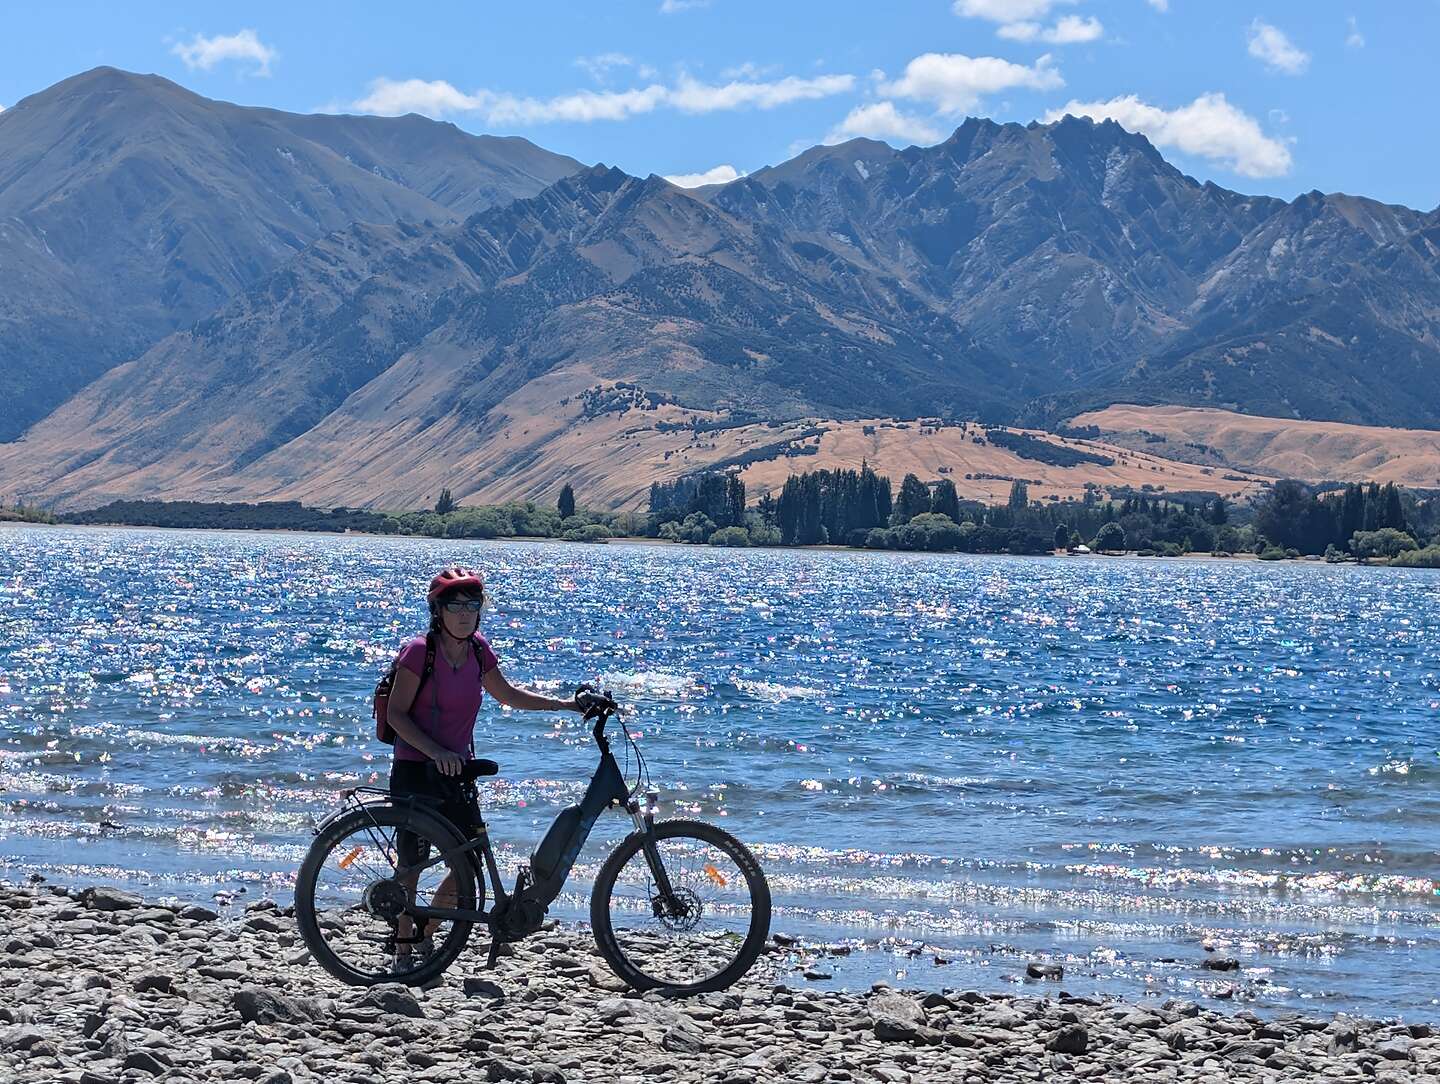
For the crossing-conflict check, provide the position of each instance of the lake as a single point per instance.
(948, 764)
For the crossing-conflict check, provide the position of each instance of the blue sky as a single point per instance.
(1277, 98)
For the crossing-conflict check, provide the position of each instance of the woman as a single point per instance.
(438, 725)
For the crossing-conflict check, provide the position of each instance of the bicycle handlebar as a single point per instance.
(599, 706)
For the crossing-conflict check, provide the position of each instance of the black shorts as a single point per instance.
(459, 804)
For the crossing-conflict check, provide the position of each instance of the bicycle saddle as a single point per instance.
(472, 771)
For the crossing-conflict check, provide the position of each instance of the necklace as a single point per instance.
(454, 666)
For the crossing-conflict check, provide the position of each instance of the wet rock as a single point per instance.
(196, 913)
(107, 898)
(545, 1073)
(1037, 969)
(1220, 963)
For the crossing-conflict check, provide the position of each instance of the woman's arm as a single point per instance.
(496, 685)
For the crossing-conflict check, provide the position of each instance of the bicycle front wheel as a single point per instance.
(684, 907)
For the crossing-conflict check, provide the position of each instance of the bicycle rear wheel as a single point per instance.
(685, 908)
(353, 909)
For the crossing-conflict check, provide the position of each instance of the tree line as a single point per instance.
(860, 508)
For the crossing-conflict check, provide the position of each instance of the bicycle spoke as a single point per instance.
(695, 932)
(363, 908)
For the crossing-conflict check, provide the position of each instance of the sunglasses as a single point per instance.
(465, 606)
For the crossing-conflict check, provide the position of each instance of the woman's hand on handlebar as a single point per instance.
(447, 762)
(589, 699)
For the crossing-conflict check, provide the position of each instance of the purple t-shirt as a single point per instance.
(446, 706)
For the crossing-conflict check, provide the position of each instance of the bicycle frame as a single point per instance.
(517, 914)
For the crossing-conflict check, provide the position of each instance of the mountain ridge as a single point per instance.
(1011, 273)
(131, 206)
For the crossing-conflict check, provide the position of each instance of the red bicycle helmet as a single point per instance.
(452, 578)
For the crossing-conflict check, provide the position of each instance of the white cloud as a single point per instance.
(204, 53)
(749, 70)
(1005, 11)
(1070, 30)
(1159, 5)
(717, 175)
(881, 120)
(673, 7)
(1270, 45)
(1355, 39)
(437, 98)
(954, 82)
(1020, 20)
(690, 96)
(1209, 127)
(433, 98)
(600, 66)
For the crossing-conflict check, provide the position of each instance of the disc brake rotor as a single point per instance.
(679, 914)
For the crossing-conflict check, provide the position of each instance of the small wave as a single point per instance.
(772, 692)
(661, 684)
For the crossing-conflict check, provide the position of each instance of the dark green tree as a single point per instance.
(1019, 496)
(445, 504)
(914, 500)
(945, 501)
(1062, 536)
(1111, 537)
(566, 504)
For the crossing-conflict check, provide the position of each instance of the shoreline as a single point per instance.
(99, 982)
(641, 540)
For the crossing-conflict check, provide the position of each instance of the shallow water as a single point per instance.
(1105, 762)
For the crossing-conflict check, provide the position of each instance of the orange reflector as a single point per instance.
(349, 859)
(714, 874)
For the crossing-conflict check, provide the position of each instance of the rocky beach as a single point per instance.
(99, 985)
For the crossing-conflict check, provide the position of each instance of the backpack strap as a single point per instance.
(479, 655)
(429, 670)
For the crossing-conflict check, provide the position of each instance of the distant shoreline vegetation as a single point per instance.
(858, 508)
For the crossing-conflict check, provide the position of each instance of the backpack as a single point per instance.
(380, 706)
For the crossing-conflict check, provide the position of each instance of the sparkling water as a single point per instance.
(947, 764)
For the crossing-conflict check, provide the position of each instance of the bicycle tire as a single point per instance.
(469, 890)
(759, 892)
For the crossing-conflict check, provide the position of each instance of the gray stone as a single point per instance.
(1071, 1039)
(1037, 969)
(20, 1037)
(1220, 963)
(478, 987)
(262, 1006)
(393, 998)
(145, 1062)
(108, 898)
(162, 983)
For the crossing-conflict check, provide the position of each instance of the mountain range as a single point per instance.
(206, 300)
